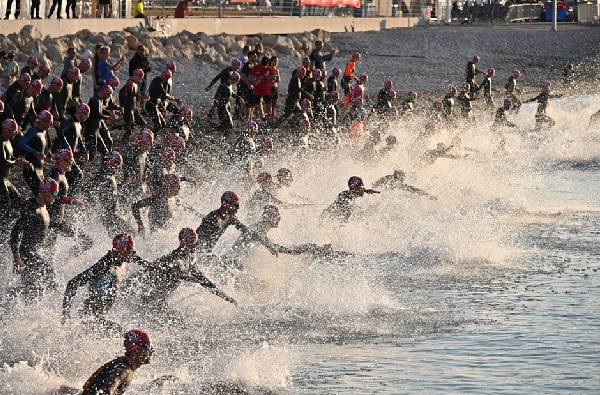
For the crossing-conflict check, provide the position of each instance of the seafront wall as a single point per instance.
(213, 26)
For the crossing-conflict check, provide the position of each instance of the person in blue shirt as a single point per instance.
(106, 68)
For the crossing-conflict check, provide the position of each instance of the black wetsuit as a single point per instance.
(35, 140)
(65, 103)
(382, 105)
(128, 100)
(212, 228)
(223, 76)
(257, 234)
(392, 182)
(511, 91)
(69, 135)
(155, 105)
(470, 72)
(332, 83)
(10, 198)
(57, 211)
(95, 129)
(104, 279)
(104, 378)
(159, 210)
(26, 237)
(13, 90)
(134, 165)
(342, 208)
(177, 266)
(292, 102)
(103, 189)
(22, 109)
(486, 87)
(221, 101)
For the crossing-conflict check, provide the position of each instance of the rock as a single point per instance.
(29, 33)
(306, 44)
(115, 34)
(185, 40)
(200, 44)
(99, 39)
(187, 52)
(84, 34)
(7, 45)
(118, 40)
(296, 54)
(311, 37)
(206, 39)
(321, 34)
(252, 41)
(220, 49)
(284, 49)
(236, 47)
(156, 54)
(225, 39)
(212, 52)
(54, 52)
(222, 63)
(26, 48)
(16, 39)
(193, 37)
(206, 57)
(174, 41)
(197, 48)
(296, 42)
(132, 42)
(269, 39)
(170, 51)
(118, 50)
(37, 48)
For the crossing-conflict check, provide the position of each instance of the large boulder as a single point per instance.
(185, 40)
(296, 41)
(54, 52)
(156, 54)
(269, 40)
(252, 41)
(206, 39)
(84, 34)
(16, 39)
(132, 42)
(198, 48)
(170, 51)
(29, 33)
(236, 47)
(118, 50)
(206, 57)
(187, 52)
(99, 39)
(220, 49)
(193, 37)
(321, 34)
(175, 42)
(118, 40)
(37, 48)
(284, 49)
(225, 39)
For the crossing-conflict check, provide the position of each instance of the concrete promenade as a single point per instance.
(214, 26)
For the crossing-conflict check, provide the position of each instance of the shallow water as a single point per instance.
(492, 288)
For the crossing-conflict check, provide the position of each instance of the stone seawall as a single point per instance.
(213, 26)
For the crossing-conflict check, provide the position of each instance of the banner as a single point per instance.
(330, 3)
(242, 1)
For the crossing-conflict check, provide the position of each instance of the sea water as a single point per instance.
(491, 288)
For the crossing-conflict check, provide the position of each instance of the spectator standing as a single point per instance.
(140, 61)
(183, 9)
(317, 56)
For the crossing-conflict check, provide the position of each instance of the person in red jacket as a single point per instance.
(183, 9)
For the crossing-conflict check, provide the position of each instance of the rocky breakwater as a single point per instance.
(216, 49)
